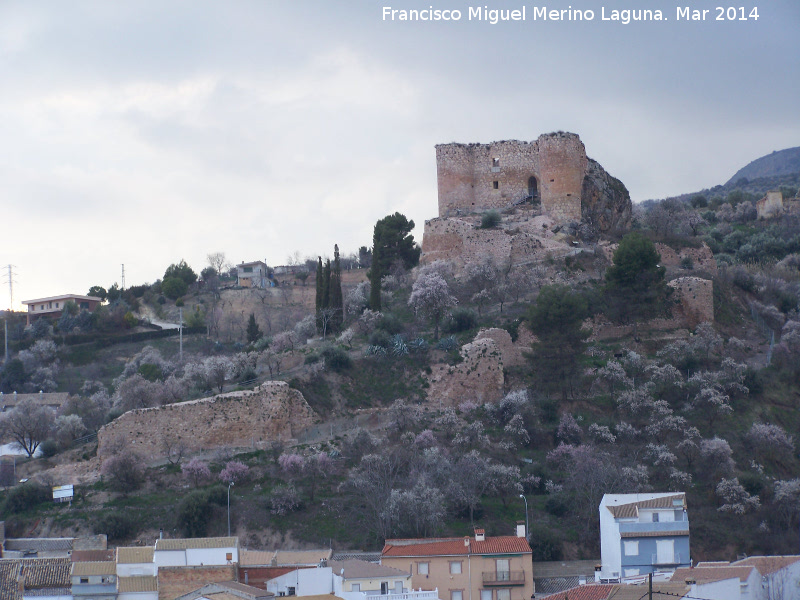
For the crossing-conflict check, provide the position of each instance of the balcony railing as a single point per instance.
(675, 559)
(504, 578)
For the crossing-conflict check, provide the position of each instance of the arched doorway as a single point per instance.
(533, 189)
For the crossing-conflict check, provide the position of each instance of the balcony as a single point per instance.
(504, 578)
(667, 528)
(669, 561)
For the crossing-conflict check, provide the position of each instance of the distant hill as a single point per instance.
(781, 162)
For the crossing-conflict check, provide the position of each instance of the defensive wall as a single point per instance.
(273, 411)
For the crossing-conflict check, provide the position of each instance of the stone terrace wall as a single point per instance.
(475, 177)
(702, 258)
(696, 300)
(273, 411)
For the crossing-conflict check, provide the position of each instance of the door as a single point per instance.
(503, 570)
(665, 552)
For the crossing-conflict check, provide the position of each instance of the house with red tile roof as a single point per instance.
(721, 582)
(468, 568)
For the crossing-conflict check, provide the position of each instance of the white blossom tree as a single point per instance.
(431, 297)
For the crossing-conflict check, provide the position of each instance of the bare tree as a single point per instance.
(173, 448)
(218, 261)
(28, 424)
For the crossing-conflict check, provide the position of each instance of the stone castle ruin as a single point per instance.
(540, 188)
(553, 172)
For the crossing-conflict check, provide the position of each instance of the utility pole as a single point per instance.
(123, 277)
(180, 334)
(650, 586)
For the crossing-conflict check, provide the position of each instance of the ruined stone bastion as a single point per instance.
(272, 411)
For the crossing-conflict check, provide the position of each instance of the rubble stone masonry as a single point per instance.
(273, 411)
(474, 177)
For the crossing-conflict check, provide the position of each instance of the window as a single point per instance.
(495, 162)
(631, 572)
(456, 595)
(56, 304)
(495, 185)
(631, 548)
(486, 594)
(84, 580)
(503, 569)
(290, 591)
(504, 594)
(229, 556)
(455, 567)
(356, 587)
(248, 269)
(422, 568)
(384, 588)
(655, 517)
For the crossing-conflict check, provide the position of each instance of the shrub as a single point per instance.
(448, 344)
(336, 359)
(461, 319)
(124, 472)
(116, 525)
(390, 324)
(234, 471)
(26, 496)
(49, 448)
(490, 219)
(194, 514)
(379, 337)
(283, 500)
(312, 359)
(557, 505)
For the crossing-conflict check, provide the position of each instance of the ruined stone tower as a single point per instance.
(475, 177)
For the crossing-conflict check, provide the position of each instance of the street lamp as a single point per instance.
(229, 508)
(527, 529)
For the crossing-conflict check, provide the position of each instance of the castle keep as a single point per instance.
(475, 177)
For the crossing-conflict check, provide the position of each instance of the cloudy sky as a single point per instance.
(146, 132)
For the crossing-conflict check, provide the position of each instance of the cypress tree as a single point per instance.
(318, 298)
(335, 300)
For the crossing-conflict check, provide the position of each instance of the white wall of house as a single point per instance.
(727, 589)
(306, 582)
(195, 557)
(53, 597)
(136, 569)
(397, 584)
(783, 584)
(137, 596)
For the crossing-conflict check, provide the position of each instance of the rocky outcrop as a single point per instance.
(510, 354)
(605, 201)
(273, 411)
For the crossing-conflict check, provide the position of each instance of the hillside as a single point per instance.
(776, 164)
(550, 378)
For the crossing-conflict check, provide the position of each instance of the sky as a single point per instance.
(142, 133)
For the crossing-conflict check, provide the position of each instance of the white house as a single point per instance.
(721, 581)
(349, 579)
(780, 575)
(641, 534)
(196, 552)
(252, 274)
(135, 562)
(94, 580)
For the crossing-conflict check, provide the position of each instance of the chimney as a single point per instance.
(466, 542)
(521, 529)
(480, 535)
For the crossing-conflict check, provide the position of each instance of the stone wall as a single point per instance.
(475, 177)
(695, 300)
(770, 205)
(478, 378)
(702, 258)
(510, 354)
(273, 411)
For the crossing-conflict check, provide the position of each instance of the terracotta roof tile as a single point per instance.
(138, 584)
(767, 565)
(711, 574)
(360, 569)
(134, 555)
(589, 591)
(661, 591)
(92, 555)
(507, 544)
(46, 572)
(631, 509)
(194, 543)
(9, 573)
(94, 568)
